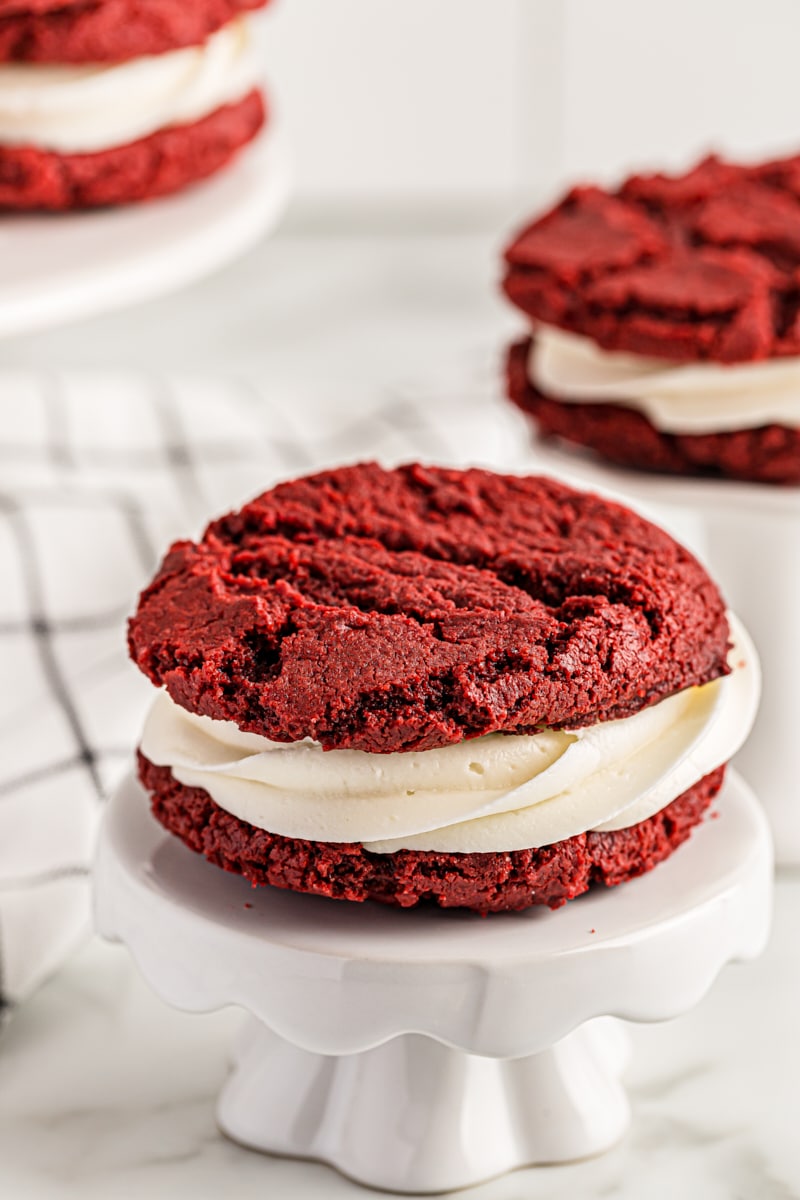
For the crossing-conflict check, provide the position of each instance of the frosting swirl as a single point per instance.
(694, 398)
(493, 793)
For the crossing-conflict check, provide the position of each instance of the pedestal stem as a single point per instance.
(416, 1116)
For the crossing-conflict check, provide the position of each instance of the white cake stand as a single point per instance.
(424, 1051)
(749, 535)
(66, 266)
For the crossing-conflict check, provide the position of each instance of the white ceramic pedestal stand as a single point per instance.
(749, 535)
(424, 1051)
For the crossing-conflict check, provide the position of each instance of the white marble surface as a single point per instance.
(104, 1091)
(343, 316)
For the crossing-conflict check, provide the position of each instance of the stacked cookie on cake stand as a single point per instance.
(105, 105)
(304, 739)
(664, 364)
(424, 1051)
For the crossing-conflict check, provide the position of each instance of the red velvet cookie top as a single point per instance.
(412, 608)
(97, 31)
(704, 265)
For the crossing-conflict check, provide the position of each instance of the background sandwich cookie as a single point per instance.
(102, 106)
(666, 321)
(482, 690)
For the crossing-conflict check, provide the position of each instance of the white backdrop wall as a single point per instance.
(397, 99)
(467, 105)
(659, 82)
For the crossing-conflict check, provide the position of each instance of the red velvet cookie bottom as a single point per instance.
(164, 162)
(486, 883)
(769, 454)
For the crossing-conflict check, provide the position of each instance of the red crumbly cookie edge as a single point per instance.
(403, 609)
(700, 266)
(110, 31)
(486, 883)
(626, 437)
(16, 7)
(157, 165)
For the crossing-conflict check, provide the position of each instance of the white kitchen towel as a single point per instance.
(97, 474)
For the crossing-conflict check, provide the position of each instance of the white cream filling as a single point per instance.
(84, 109)
(493, 793)
(676, 398)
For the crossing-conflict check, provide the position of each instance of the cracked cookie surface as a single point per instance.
(699, 266)
(390, 610)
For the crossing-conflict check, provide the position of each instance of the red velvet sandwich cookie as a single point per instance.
(416, 685)
(667, 320)
(123, 100)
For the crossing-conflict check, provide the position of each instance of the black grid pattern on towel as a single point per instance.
(89, 485)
